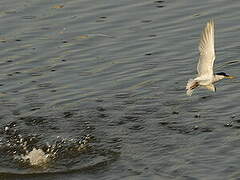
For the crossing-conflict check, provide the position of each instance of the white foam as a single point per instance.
(36, 157)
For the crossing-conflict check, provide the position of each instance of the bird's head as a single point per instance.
(224, 75)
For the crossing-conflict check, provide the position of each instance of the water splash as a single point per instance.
(28, 149)
(37, 157)
(35, 150)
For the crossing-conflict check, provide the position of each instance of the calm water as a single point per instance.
(99, 87)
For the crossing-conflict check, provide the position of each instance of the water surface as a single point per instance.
(99, 86)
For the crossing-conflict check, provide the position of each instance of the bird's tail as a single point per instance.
(191, 85)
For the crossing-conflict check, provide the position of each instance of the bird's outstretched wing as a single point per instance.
(207, 52)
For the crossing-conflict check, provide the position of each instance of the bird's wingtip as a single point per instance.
(211, 22)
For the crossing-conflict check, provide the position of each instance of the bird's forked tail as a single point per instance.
(191, 85)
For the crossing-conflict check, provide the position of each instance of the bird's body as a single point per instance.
(206, 77)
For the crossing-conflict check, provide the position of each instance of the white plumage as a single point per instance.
(206, 76)
(207, 52)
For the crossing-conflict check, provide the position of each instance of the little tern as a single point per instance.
(206, 77)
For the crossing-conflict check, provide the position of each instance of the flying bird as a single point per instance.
(206, 77)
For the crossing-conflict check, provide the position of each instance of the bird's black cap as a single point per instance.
(222, 74)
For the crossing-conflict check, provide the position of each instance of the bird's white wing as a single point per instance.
(207, 52)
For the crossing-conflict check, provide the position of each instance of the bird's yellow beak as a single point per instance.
(230, 77)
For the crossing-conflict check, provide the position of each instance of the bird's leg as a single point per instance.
(196, 84)
(211, 87)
